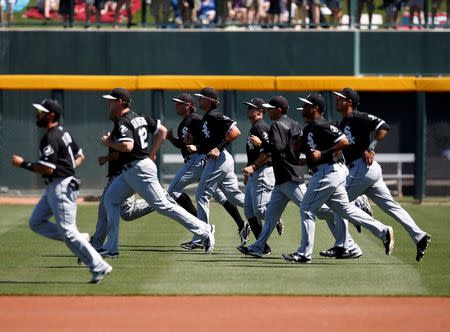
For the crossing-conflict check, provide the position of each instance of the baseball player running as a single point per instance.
(322, 143)
(289, 182)
(216, 132)
(258, 173)
(365, 173)
(189, 173)
(59, 156)
(130, 136)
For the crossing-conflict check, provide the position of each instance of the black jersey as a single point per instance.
(320, 135)
(357, 126)
(133, 127)
(214, 126)
(187, 126)
(282, 135)
(260, 129)
(58, 150)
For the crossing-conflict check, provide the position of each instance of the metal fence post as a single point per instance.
(229, 109)
(158, 113)
(421, 117)
(144, 13)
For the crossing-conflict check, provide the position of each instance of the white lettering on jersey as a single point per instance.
(184, 132)
(333, 129)
(48, 150)
(372, 117)
(311, 144)
(205, 130)
(249, 144)
(138, 122)
(66, 139)
(349, 135)
(123, 129)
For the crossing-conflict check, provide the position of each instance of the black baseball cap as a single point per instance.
(314, 99)
(184, 98)
(208, 92)
(277, 102)
(119, 93)
(255, 103)
(49, 106)
(349, 93)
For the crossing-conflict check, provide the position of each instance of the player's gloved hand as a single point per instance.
(106, 139)
(214, 153)
(255, 140)
(369, 157)
(17, 160)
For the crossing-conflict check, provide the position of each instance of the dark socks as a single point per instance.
(256, 226)
(234, 213)
(186, 203)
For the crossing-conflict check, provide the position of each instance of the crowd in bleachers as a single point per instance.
(253, 14)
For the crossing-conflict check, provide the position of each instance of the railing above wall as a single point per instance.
(242, 83)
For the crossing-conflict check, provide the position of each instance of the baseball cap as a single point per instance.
(184, 98)
(277, 102)
(255, 103)
(208, 93)
(49, 106)
(314, 99)
(119, 93)
(349, 93)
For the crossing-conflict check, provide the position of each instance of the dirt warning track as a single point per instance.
(224, 313)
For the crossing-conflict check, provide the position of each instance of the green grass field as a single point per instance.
(151, 261)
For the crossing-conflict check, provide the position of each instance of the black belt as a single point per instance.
(315, 169)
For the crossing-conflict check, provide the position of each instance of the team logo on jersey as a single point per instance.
(371, 117)
(184, 132)
(333, 129)
(265, 136)
(48, 150)
(249, 144)
(310, 141)
(348, 133)
(205, 130)
(123, 129)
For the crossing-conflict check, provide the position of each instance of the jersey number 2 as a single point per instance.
(143, 137)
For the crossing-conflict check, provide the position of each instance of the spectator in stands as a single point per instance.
(274, 11)
(9, 4)
(434, 8)
(207, 12)
(238, 11)
(370, 9)
(314, 13)
(392, 7)
(254, 8)
(156, 9)
(97, 6)
(120, 4)
(45, 6)
(336, 12)
(415, 7)
(66, 10)
(186, 7)
(222, 13)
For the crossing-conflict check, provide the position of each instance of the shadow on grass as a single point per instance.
(15, 282)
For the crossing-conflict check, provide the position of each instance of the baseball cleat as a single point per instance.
(332, 252)
(210, 241)
(363, 203)
(280, 227)
(296, 258)
(190, 245)
(248, 252)
(389, 241)
(97, 277)
(350, 254)
(422, 246)
(244, 234)
(107, 254)
(267, 250)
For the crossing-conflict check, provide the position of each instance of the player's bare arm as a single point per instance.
(158, 140)
(110, 157)
(18, 161)
(255, 140)
(369, 154)
(232, 134)
(119, 146)
(79, 158)
(261, 160)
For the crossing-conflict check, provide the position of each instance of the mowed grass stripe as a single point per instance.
(151, 261)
